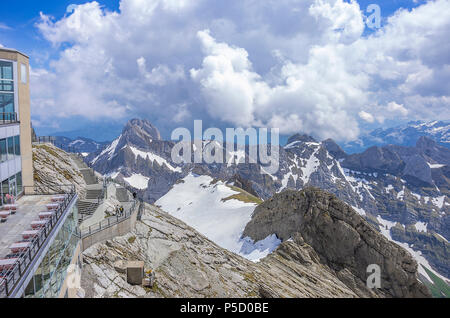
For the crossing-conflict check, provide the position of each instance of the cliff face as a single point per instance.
(53, 166)
(342, 239)
(187, 264)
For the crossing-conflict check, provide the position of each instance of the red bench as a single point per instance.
(4, 215)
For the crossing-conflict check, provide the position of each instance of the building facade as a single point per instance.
(16, 166)
(38, 254)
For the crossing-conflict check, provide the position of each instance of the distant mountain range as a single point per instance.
(79, 144)
(405, 135)
(403, 191)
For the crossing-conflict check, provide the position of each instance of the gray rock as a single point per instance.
(342, 239)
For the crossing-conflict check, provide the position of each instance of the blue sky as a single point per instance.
(231, 64)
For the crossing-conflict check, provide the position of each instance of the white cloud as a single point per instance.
(343, 20)
(299, 65)
(3, 26)
(393, 107)
(161, 74)
(366, 116)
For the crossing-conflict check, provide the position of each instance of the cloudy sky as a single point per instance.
(316, 66)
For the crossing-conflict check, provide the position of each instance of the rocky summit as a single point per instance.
(341, 238)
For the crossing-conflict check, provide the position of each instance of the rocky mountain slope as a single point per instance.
(408, 186)
(342, 239)
(404, 135)
(53, 166)
(187, 264)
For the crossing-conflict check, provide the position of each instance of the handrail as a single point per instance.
(45, 139)
(25, 259)
(8, 118)
(107, 223)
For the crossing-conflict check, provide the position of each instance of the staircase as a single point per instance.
(94, 193)
(89, 176)
(86, 208)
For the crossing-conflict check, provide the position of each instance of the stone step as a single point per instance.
(89, 176)
(93, 194)
(86, 207)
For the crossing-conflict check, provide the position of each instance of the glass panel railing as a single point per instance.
(8, 118)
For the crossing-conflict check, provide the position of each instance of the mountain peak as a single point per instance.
(140, 131)
(302, 138)
(334, 149)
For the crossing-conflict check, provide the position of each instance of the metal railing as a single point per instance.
(8, 118)
(126, 186)
(9, 280)
(52, 140)
(44, 140)
(107, 223)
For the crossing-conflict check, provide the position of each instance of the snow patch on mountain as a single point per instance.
(152, 157)
(421, 227)
(110, 150)
(435, 165)
(439, 201)
(310, 167)
(385, 229)
(199, 201)
(137, 181)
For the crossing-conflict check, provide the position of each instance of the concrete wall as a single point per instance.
(25, 122)
(111, 232)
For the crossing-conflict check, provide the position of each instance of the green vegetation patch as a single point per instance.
(439, 288)
(242, 196)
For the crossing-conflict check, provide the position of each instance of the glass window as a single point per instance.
(17, 145)
(23, 73)
(10, 142)
(19, 182)
(6, 70)
(5, 189)
(6, 103)
(12, 186)
(3, 150)
(7, 86)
